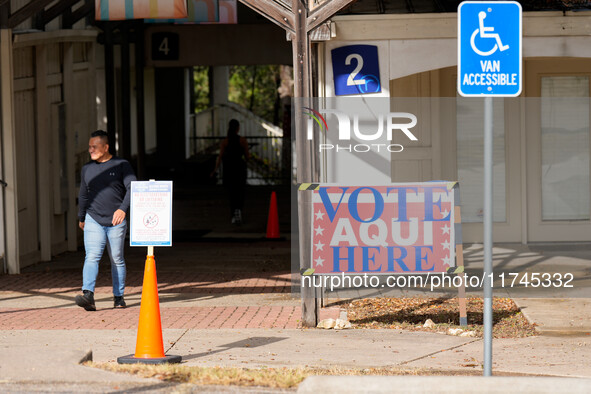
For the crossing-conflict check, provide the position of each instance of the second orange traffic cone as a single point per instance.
(149, 348)
(273, 220)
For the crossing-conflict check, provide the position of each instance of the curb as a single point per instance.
(553, 331)
(562, 332)
(86, 357)
(442, 384)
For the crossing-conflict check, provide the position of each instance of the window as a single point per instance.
(565, 148)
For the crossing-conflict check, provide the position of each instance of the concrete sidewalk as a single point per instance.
(48, 358)
(254, 348)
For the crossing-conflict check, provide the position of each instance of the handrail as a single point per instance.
(213, 121)
(265, 139)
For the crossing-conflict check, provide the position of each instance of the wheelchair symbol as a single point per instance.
(486, 32)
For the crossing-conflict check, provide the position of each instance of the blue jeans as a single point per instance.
(95, 239)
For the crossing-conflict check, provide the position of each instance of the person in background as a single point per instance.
(104, 196)
(234, 154)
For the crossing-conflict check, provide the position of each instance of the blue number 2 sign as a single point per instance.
(356, 70)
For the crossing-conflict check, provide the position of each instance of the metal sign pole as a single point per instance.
(489, 40)
(488, 239)
(151, 247)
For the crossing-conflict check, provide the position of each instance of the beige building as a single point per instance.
(49, 87)
(541, 138)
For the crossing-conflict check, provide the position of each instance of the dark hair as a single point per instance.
(102, 134)
(233, 128)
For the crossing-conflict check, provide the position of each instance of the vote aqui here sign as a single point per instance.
(489, 49)
(399, 228)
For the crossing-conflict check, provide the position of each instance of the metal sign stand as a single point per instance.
(149, 348)
(460, 257)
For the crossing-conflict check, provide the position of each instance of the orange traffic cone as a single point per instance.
(273, 220)
(149, 348)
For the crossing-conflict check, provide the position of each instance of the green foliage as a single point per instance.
(201, 88)
(255, 88)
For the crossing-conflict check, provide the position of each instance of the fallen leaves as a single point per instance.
(410, 313)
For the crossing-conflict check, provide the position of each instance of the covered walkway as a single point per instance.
(216, 275)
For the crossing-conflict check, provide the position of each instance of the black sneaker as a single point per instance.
(119, 302)
(86, 300)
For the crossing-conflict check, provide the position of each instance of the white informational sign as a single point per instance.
(151, 213)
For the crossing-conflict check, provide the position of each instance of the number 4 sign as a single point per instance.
(165, 46)
(356, 70)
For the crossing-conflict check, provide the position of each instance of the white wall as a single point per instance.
(343, 166)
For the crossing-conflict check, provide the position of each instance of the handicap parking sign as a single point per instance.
(489, 49)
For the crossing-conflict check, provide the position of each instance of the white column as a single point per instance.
(8, 151)
(43, 160)
(221, 76)
(68, 86)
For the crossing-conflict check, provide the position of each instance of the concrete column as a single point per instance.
(221, 77)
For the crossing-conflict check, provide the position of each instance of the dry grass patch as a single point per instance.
(283, 378)
(412, 312)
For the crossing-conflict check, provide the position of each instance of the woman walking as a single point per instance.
(234, 154)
